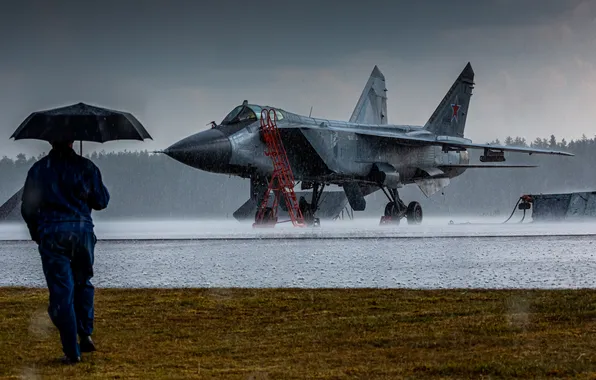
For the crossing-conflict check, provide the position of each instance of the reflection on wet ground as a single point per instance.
(338, 255)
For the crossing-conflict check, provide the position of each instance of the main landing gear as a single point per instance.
(396, 209)
(309, 209)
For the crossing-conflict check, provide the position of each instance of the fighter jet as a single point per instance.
(362, 155)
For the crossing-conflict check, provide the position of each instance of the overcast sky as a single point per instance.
(177, 65)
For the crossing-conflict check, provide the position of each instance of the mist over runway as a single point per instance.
(169, 254)
(360, 228)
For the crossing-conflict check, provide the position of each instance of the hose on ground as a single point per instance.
(514, 208)
(524, 217)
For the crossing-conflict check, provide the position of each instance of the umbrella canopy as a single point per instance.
(81, 122)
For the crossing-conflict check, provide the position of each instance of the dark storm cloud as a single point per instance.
(175, 62)
(179, 39)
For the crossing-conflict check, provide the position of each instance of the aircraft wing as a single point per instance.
(472, 166)
(470, 145)
(421, 139)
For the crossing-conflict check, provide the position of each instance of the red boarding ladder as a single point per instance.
(282, 180)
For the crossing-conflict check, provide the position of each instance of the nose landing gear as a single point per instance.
(309, 209)
(267, 219)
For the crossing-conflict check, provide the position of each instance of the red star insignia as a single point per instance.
(455, 108)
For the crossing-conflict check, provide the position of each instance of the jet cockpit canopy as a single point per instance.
(246, 112)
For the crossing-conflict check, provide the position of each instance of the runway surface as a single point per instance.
(339, 254)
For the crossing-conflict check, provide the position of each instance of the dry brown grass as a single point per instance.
(327, 334)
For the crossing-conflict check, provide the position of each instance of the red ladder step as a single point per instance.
(282, 181)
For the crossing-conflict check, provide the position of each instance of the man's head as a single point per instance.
(62, 144)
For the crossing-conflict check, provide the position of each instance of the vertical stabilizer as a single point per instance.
(449, 119)
(372, 105)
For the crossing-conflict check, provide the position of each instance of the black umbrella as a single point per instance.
(78, 122)
(81, 122)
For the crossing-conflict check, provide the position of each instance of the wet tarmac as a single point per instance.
(341, 254)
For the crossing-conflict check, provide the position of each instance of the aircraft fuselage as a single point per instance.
(320, 156)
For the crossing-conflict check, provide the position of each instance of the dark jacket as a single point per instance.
(60, 191)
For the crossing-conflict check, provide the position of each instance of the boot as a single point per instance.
(87, 344)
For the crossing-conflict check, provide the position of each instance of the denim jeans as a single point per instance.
(67, 259)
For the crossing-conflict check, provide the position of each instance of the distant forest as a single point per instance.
(146, 185)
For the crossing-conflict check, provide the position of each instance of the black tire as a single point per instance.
(308, 216)
(391, 209)
(392, 212)
(414, 213)
(267, 216)
(306, 211)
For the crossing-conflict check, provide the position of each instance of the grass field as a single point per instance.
(297, 334)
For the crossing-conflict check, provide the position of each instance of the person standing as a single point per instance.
(60, 192)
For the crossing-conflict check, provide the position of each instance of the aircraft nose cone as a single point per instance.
(209, 150)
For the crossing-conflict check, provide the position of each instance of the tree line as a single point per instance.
(148, 185)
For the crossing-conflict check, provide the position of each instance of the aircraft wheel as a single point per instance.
(391, 209)
(414, 213)
(309, 217)
(391, 214)
(267, 216)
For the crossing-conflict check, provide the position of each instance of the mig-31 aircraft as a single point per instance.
(362, 155)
